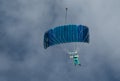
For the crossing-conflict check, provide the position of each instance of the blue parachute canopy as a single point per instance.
(66, 34)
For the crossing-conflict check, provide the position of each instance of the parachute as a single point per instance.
(67, 34)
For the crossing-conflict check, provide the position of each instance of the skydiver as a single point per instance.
(76, 60)
(75, 57)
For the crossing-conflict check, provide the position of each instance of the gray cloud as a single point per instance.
(22, 26)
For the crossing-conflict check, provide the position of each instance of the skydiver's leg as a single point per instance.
(79, 63)
(75, 62)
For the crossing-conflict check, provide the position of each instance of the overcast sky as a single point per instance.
(22, 26)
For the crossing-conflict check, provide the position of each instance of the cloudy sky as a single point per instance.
(22, 26)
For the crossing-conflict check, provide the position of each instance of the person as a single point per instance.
(76, 59)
